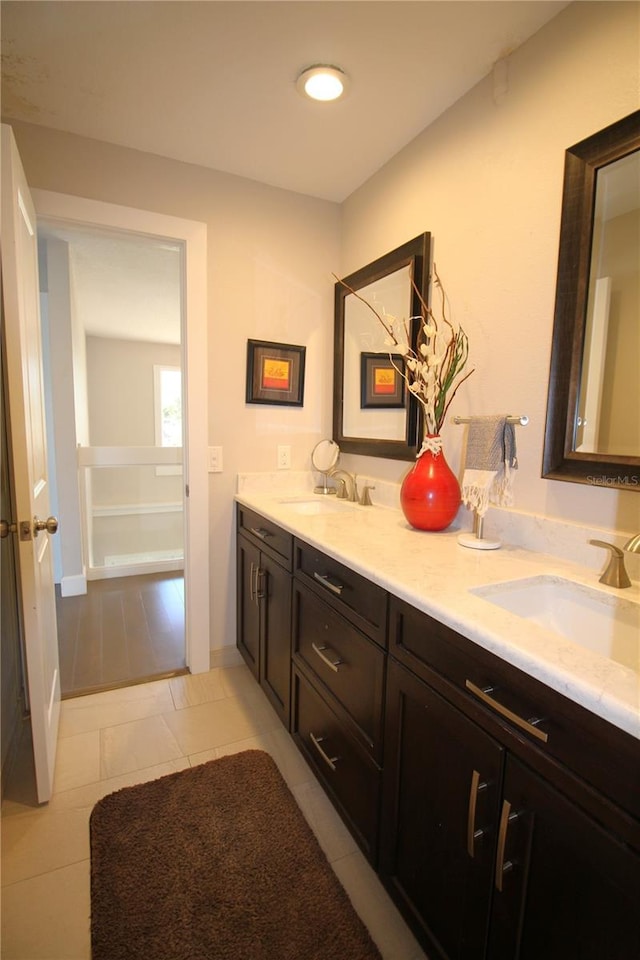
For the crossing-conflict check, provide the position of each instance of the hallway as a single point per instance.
(123, 630)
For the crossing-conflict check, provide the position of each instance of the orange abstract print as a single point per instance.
(276, 374)
(384, 381)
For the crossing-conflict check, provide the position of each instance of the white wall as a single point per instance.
(61, 324)
(486, 180)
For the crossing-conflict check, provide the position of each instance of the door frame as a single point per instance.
(80, 211)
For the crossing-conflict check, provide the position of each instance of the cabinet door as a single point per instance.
(441, 793)
(274, 593)
(569, 889)
(248, 609)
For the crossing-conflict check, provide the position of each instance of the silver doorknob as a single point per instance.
(6, 528)
(50, 525)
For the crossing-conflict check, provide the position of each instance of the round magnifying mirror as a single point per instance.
(324, 457)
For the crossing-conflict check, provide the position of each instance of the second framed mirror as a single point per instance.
(373, 412)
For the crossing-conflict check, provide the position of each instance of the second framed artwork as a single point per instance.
(382, 382)
(275, 373)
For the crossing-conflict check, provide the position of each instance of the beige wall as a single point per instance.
(121, 397)
(486, 180)
(121, 414)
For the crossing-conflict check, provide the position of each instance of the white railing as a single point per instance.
(123, 560)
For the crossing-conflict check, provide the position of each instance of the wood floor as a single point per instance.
(121, 631)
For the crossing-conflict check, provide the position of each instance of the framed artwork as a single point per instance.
(275, 373)
(381, 380)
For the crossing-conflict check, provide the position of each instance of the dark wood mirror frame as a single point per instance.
(560, 460)
(417, 254)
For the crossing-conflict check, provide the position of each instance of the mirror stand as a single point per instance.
(324, 457)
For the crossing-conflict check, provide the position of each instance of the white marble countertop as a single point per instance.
(434, 573)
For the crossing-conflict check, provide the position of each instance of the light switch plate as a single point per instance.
(215, 459)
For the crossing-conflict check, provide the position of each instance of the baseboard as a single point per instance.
(135, 569)
(75, 586)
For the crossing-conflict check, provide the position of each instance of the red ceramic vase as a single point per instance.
(430, 493)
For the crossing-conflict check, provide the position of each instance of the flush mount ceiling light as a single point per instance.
(322, 82)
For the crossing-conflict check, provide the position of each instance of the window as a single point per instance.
(167, 393)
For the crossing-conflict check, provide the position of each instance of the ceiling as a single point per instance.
(125, 287)
(213, 83)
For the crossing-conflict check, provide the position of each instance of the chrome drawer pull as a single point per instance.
(260, 533)
(503, 866)
(332, 664)
(473, 834)
(323, 578)
(531, 725)
(330, 761)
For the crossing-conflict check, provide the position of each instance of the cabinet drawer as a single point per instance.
(588, 746)
(343, 662)
(266, 535)
(351, 778)
(362, 602)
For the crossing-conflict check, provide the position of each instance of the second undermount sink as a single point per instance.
(595, 620)
(312, 507)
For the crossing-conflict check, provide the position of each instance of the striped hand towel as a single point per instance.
(490, 460)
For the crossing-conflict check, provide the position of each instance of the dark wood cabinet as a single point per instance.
(264, 607)
(442, 786)
(338, 631)
(491, 848)
(349, 774)
(503, 817)
(563, 886)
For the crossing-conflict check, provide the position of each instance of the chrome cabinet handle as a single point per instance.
(261, 533)
(503, 866)
(254, 595)
(332, 664)
(531, 725)
(330, 761)
(472, 834)
(323, 578)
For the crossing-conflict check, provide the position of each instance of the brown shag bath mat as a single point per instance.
(216, 863)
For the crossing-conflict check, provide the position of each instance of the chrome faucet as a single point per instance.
(365, 496)
(348, 487)
(615, 574)
(633, 545)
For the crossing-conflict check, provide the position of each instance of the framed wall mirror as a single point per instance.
(373, 413)
(592, 430)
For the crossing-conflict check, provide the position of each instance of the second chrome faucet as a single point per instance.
(615, 574)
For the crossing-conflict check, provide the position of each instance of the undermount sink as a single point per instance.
(596, 621)
(312, 507)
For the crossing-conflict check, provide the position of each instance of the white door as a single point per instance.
(29, 460)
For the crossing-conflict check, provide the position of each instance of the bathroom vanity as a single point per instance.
(489, 771)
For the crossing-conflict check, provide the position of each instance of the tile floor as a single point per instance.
(122, 737)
